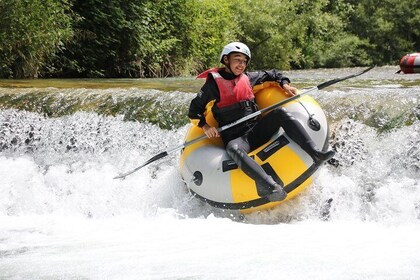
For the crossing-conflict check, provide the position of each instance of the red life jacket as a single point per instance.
(231, 91)
(236, 97)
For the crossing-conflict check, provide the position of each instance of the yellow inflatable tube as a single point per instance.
(212, 176)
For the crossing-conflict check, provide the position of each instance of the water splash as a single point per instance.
(165, 109)
(60, 149)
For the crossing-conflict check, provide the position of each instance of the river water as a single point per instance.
(63, 216)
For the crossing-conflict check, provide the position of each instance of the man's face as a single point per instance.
(237, 63)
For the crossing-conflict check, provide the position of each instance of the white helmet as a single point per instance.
(236, 47)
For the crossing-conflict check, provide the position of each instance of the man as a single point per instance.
(229, 91)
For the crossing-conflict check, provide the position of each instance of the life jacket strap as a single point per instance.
(241, 105)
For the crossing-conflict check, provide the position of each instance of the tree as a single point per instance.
(126, 38)
(160, 38)
(390, 26)
(297, 34)
(266, 27)
(105, 36)
(31, 32)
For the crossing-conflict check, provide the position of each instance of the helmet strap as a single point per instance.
(227, 65)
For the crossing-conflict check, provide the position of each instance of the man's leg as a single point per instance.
(277, 118)
(238, 150)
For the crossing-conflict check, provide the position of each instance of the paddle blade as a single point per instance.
(328, 83)
(155, 158)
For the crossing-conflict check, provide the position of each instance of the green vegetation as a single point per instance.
(142, 107)
(31, 32)
(157, 38)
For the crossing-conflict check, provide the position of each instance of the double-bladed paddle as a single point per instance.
(241, 120)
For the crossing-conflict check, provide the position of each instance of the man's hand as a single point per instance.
(290, 90)
(210, 131)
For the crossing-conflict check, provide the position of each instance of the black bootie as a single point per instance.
(323, 156)
(266, 186)
(315, 154)
(297, 133)
(278, 193)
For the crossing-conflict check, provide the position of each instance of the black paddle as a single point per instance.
(241, 120)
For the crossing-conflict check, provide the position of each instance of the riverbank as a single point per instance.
(302, 78)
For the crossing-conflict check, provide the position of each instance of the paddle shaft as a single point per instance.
(241, 120)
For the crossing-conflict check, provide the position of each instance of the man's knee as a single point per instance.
(232, 146)
(282, 114)
(238, 144)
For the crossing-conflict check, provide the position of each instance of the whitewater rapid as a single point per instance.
(63, 216)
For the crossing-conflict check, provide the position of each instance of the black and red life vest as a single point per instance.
(236, 97)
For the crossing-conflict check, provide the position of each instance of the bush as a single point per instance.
(31, 32)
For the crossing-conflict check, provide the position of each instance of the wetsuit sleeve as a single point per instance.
(199, 103)
(273, 75)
